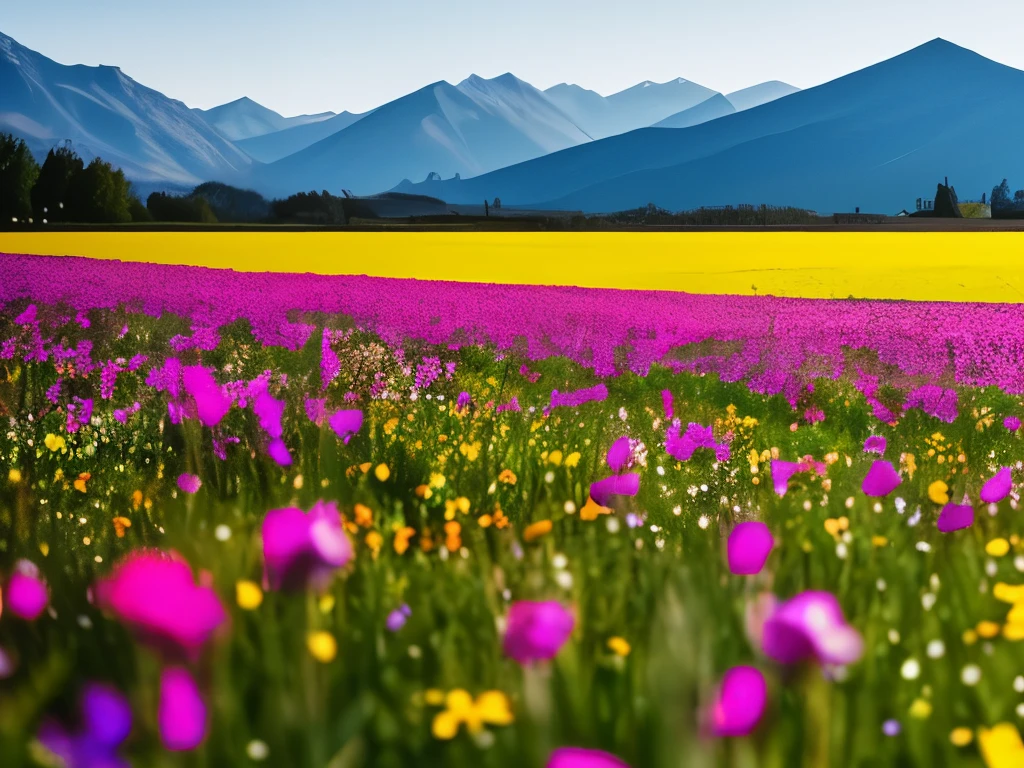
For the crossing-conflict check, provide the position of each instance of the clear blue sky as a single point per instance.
(315, 55)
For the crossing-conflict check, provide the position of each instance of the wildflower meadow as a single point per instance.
(294, 520)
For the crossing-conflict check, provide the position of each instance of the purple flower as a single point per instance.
(748, 548)
(463, 401)
(811, 625)
(269, 411)
(106, 724)
(154, 593)
(278, 451)
(26, 594)
(189, 483)
(618, 454)
(577, 757)
(212, 404)
(997, 487)
(536, 631)
(578, 397)
(782, 471)
(397, 618)
(316, 409)
(954, 517)
(616, 485)
(682, 447)
(121, 414)
(875, 444)
(935, 401)
(666, 402)
(304, 549)
(1012, 423)
(891, 728)
(347, 423)
(511, 405)
(182, 713)
(740, 702)
(79, 413)
(881, 480)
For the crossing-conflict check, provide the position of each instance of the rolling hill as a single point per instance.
(104, 112)
(762, 93)
(877, 138)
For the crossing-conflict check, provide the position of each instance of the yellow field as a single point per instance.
(937, 266)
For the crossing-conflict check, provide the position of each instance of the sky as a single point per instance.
(307, 56)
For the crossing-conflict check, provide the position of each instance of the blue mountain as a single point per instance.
(875, 139)
(244, 119)
(271, 147)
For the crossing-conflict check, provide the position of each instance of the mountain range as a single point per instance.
(245, 119)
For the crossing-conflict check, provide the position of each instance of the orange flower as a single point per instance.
(364, 515)
(426, 540)
(402, 536)
(500, 521)
(136, 499)
(592, 509)
(120, 524)
(452, 539)
(536, 530)
(374, 541)
(485, 521)
(81, 481)
(507, 476)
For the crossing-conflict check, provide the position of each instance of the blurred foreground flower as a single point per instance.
(189, 483)
(811, 625)
(577, 757)
(1001, 746)
(739, 702)
(628, 484)
(998, 487)
(106, 721)
(881, 480)
(304, 549)
(748, 548)
(182, 712)
(954, 517)
(489, 708)
(26, 594)
(536, 631)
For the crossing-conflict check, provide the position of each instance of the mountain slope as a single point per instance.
(762, 93)
(879, 137)
(470, 129)
(244, 118)
(104, 112)
(710, 109)
(273, 146)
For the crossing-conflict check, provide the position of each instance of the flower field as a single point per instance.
(297, 520)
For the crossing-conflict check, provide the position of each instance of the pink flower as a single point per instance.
(616, 485)
(26, 594)
(618, 454)
(955, 517)
(748, 548)
(1012, 423)
(304, 549)
(189, 483)
(155, 594)
(536, 631)
(781, 471)
(347, 423)
(577, 757)
(811, 625)
(212, 404)
(182, 713)
(998, 487)
(881, 480)
(739, 703)
(875, 444)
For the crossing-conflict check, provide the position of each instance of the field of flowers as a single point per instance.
(291, 520)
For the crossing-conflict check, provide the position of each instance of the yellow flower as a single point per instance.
(14, 476)
(997, 547)
(592, 509)
(322, 646)
(382, 472)
(390, 425)
(423, 491)
(1008, 593)
(434, 697)
(507, 476)
(1001, 746)
(437, 480)
(619, 646)
(536, 530)
(572, 459)
(555, 457)
(987, 629)
(374, 541)
(365, 467)
(120, 524)
(55, 442)
(490, 707)
(920, 709)
(939, 492)
(970, 637)
(1014, 631)
(832, 526)
(879, 541)
(326, 603)
(364, 515)
(248, 595)
(485, 521)
(471, 450)
(910, 465)
(1016, 615)
(961, 737)
(402, 536)
(81, 481)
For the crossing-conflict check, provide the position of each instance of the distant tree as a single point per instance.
(179, 209)
(18, 173)
(99, 195)
(310, 207)
(1018, 197)
(50, 192)
(1000, 194)
(138, 211)
(231, 203)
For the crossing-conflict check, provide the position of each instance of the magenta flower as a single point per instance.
(875, 444)
(618, 454)
(182, 713)
(106, 724)
(189, 483)
(347, 423)
(997, 487)
(739, 703)
(682, 447)
(666, 402)
(155, 594)
(881, 480)
(26, 594)
(278, 451)
(79, 413)
(577, 757)
(616, 485)
(304, 549)
(269, 411)
(1012, 423)
(782, 471)
(748, 548)
(536, 631)
(316, 409)
(811, 625)
(954, 517)
(212, 404)
(464, 400)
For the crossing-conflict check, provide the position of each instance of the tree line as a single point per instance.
(1001, 196)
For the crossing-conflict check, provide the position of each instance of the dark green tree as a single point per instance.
(1000, 194)
(18, 172)
(173, 208)
(139, 212)
(50, 194)
(1018, 197)
(99, 195)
